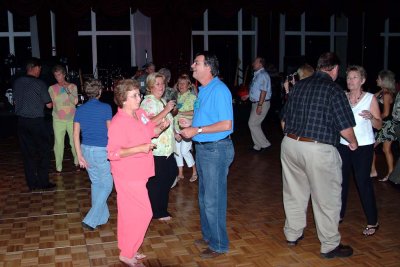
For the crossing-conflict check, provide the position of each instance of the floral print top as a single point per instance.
(166, 141)
(185, 103)
(63, 101)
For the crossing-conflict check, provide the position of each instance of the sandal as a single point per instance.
(384, 179)
(140, 256)
(371, 230)
(193, 178)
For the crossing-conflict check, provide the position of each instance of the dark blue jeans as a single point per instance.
(213, 161)
(361, 160)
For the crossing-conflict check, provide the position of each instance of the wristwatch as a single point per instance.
(199, 130)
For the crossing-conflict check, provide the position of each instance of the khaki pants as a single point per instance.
(312, 169)
(255, 121)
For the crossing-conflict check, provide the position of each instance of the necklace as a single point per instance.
(354, 103)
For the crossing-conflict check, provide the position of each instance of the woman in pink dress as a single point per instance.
(130, 153)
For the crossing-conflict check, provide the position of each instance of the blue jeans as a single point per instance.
(102, 184)
(213, 161)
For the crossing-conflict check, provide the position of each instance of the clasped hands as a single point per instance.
(187, 131)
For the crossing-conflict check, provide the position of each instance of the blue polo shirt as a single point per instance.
(213, 104)
(92, 117)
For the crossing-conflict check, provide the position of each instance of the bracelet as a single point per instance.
(260, 105)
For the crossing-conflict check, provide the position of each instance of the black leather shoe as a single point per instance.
(340, 251)
(209, 253)
(294, 243)
(48, 186)
(87, 227)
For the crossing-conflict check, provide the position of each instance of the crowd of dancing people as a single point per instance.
(328, 133)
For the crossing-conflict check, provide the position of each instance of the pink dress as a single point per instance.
(130, 177)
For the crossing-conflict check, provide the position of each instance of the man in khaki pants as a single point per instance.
(260, 96)
(315, 116)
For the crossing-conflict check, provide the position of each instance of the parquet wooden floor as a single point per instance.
(43, 228)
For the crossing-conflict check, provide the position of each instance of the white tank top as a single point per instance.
(363, 129)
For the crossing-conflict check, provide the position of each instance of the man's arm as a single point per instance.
(348, 134)
(220, 126)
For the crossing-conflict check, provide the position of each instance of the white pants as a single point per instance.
(182, 151)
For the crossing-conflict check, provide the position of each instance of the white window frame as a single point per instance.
(239, 33)
(11, 35)
(386, 34)
(94, 33)
(303, 33)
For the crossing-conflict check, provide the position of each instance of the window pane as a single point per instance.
(84, 23)
(292, 46)
(85, 54)
(394, 24)
(217, 23)
(315, 46)
(293, 22)
(5, 49)
(197, 24)
(21, 24)
(23, 48)
(341, 51)
(247, 21)
(317, 23)
(394, 55)
(248, 57)
(198, 43)
(4, 68)
(105, 23)
(226, 50)
(3, 21)
(114, 54)
(340, 23)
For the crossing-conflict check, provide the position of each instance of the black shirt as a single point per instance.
(30, 95)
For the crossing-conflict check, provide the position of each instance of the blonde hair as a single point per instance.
(388, 80)
(305, 71)
(151, 80)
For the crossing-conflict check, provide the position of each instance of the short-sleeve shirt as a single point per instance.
(214, 104)
(125, 132)
(261, 82)
(92, 118)
(30, 95)
(166, 141)
(63, 101)
(318, 108)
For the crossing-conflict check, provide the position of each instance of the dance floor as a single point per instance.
(44, 228)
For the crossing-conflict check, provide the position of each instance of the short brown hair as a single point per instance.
(58, 68)
(328, 61)
(92, 88)
(122, 89)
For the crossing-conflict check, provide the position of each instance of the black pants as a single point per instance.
(159, 185)
(34, 140)
(361, 160)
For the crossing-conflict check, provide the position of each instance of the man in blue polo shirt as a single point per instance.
(211, 128)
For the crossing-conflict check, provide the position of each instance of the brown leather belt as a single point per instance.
(299, 138)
